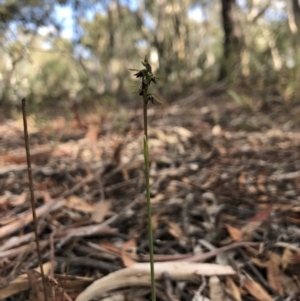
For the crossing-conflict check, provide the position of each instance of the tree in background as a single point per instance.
(189, 42)
(233, 39)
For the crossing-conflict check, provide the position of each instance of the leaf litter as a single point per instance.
(225, 194)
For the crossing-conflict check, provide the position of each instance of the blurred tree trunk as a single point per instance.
(233, 38)
(296, 13)
(293, 12)
(159, 33)
(294, 19)
(109, 73)
(123, 55)
(276, 58)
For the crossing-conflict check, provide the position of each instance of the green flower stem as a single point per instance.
(145, 114)
(147, 175)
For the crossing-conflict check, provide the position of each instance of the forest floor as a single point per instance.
(225, 181)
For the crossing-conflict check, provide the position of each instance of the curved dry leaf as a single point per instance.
(77, 203)
(17, 200)
(92, 134)
(256, 290)
(262, 215)
(235, 233)
(176, 231)
(129, 245)
(258, 262)
(234, 290)
(249, 228)
(101, 211)
(288, 257)
(273, 273)
(139, 275)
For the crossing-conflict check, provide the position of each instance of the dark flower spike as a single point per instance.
(153, 79)
(147, 65)
(150, 98)
(147, 78)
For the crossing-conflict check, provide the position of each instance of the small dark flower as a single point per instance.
(139, 74)
(150, 98)
(153, 80)
(146, 79)
(147, 65)
(144, 85)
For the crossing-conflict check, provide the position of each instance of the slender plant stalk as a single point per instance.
(147, 78)
(145, 115)
(32, 197)
(149, 213)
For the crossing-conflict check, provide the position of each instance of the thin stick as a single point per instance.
(32, 196)
(67, 271)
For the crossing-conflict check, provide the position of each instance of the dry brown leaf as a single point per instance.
(129, 245)
(234, 290)
(176, 231)
(242, 178)
(273, 273)
(262, 215)
(249, 228)
(18, 200)
(295, 208)
(101, 211)
(46, 196)
(288, 257)
(258, 262)
(110, 247)
(216, 291)
(76, 203)
(4, 198)
(235, 233)
(92, 134)
(256, 290)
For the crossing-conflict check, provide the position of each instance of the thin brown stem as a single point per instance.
(32, 196)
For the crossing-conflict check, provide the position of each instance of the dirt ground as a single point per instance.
(225, 179)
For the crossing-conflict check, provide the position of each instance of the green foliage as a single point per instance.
(109, 34)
